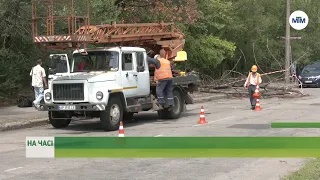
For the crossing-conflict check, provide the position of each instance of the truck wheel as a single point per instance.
(110, 118)
(176, 110)
(128, 116)
(58, 123)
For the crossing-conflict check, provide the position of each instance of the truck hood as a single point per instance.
(90, 77)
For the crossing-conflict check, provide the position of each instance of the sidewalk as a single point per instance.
(16, 118)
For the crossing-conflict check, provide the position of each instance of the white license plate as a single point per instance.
(308, 81)
(67, 107)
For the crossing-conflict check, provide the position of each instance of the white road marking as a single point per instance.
(12, 169)
(223, 119)
(158, 135)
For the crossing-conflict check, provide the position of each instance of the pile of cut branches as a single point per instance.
(267, 90)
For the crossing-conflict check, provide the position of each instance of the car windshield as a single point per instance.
(96, 61)
(311, 70)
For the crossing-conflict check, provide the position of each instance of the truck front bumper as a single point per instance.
(72, 107)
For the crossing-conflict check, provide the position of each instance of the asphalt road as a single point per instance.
(225, 117)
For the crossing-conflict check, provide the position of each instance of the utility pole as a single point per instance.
(287, 65)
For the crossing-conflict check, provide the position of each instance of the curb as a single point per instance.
(24, 124)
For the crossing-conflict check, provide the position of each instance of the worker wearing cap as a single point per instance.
(251, 83)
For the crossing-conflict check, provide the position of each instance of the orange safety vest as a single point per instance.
(256, 80)
(164, 72)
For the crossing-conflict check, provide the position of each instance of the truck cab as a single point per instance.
(119, 75)
(110, 83)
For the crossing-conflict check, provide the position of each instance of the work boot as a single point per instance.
(253, 107)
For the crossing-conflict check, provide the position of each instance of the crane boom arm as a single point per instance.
(101, 34)
(80, 32)
(152, 35)
(116, 33)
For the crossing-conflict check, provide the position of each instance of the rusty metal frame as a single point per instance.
(50, 39)
(152, 35)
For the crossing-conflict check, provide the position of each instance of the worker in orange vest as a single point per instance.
(251, 83)
(163, 77)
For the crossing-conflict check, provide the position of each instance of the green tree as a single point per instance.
(205, 43)
(17, 51)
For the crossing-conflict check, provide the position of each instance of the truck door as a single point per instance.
(142, 74)
(128, 81)
(58, 66)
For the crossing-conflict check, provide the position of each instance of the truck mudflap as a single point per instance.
(72, 107)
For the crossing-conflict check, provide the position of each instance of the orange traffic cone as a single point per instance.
(121, 130)
(202, 117)
(257, 105)
(256, 94)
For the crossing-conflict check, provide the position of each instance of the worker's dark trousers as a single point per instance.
(165, 90)
(252, 88)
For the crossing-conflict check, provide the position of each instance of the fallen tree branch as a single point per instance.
(244, 92)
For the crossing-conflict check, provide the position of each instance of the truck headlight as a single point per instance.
(48, 96)
(99, 95)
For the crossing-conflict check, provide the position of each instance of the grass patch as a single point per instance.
(311, 171)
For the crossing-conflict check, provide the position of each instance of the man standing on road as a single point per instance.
(252, 81)
(38, 79)
(163, 77)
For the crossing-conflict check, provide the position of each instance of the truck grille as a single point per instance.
(73, 91)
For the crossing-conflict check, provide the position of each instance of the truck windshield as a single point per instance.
(96, 61)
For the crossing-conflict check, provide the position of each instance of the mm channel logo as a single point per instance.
(298, 20)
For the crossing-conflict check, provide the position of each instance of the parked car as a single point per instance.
(310, 75)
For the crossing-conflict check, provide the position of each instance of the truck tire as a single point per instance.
(110, 118)
(175, 111)
(58, 123)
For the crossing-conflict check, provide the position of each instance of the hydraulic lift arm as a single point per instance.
(152, 35)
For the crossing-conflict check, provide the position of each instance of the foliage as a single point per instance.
(308, 172)
(17, 51)
(205, 42)
(105, 12)
(158, 10)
